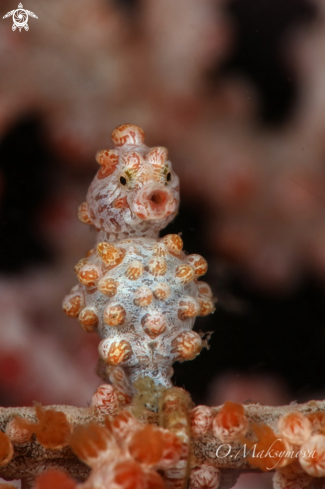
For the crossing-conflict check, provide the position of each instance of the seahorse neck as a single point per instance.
(116, 237)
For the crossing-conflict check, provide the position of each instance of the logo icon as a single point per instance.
(20, 18)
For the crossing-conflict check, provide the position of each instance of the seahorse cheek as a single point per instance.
(121, 203)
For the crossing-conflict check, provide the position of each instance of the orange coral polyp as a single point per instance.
(231, 416)
(6, 449)
(55, 479)
(154, 446)
(231, 422)
(51, 430)
(16, 433)
(129, 475)
(172, 449)
(90, 441)
(146, 445)
(270, 452)
(154, 481)
(123, 425)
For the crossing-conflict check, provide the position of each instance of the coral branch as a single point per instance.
(30, 458)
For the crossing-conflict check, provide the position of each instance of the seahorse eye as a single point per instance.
(168, 176)
(123, 180)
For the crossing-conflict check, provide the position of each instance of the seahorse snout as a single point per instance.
(154, 202)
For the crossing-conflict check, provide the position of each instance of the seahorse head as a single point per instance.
(135, 190)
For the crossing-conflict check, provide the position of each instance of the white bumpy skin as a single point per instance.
(140, 293)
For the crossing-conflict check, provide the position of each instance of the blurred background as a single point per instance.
(235, 90)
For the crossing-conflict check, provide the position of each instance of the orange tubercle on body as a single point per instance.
(83, 213)
(198, 263)
(157, 266)
(162, 291)
(174, 243)
(134, 270)
(80, 264)
(110, 254)
(133, 162)
(119, 352)
(88, 319)
(127, 134)
(204, 289)
(188, 308)
(154, 324)
(114, 315)
(206, 305)
(89, 274)
(159, 249)
(143, 296)
(185, 273)
(108, 286)
(108, 159)
(187, 345)
(72, 305)
(157, 156)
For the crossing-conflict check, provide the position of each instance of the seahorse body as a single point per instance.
(140, 293)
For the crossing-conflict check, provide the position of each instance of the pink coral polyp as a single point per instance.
(201, 420)
(295, 427)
